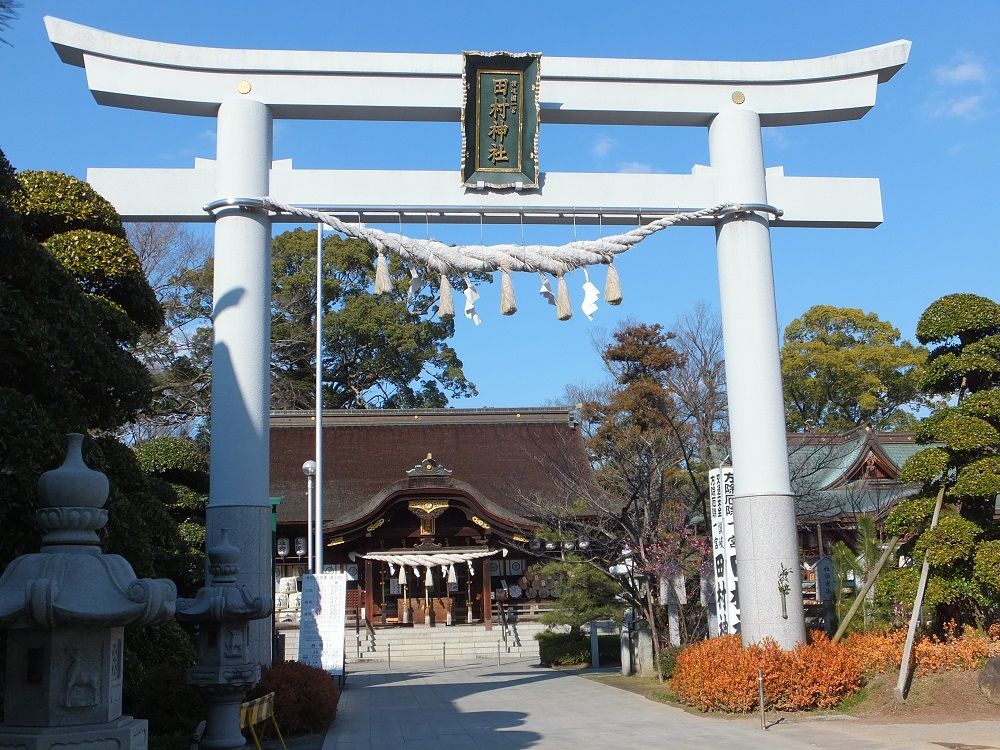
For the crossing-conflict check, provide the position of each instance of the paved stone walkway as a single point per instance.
(521, 705)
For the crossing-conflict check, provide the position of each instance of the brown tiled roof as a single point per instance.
(496, 455)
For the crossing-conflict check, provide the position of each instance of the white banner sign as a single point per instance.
(321, 627)
(720, 491)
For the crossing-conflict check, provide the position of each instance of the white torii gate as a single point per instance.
(247, 89)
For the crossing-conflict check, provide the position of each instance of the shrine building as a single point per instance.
(428, 511)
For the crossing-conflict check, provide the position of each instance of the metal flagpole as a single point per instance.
(318, 494)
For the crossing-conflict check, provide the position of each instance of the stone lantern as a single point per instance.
(65, 609)
(224, 673)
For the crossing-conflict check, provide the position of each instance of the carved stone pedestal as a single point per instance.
(124, 733)
(84, 688)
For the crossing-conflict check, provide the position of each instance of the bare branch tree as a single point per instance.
(178, 355)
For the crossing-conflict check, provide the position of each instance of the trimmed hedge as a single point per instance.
(719, 674)
(565, 649)
(668, 660)
(305, 698)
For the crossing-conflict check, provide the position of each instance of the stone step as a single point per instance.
(440, 639)
(436, 657)
(437, 649)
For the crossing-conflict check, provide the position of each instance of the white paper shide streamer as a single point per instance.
(471, 297)
(590, 296)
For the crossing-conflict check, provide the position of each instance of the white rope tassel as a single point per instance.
(564, 308)
(508, 305)
(383, 284)
(612, 287)
(446, 305)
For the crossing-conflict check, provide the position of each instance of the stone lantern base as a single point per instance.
(124, 733)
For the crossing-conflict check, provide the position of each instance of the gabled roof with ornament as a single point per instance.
(488, 457)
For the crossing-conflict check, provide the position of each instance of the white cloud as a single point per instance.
(602, 146)
(777, 137)
(966, 69)
(635, 167)
(963, 107)
(963, 89)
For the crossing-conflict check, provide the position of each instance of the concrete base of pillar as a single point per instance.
(250, 530)
(125, 733)
(644, 650)
(626, 651)
(767, 553)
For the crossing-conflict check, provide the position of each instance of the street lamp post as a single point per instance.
(309, 469)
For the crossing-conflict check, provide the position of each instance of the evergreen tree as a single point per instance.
(962, 460)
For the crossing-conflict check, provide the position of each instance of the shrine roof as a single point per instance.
(494, 455)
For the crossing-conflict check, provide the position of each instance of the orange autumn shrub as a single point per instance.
(719, 674)
(820, 675)
(956, 651)
(878, 650)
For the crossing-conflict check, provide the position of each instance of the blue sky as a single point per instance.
(932, 139)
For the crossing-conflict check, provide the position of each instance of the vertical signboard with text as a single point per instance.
(500, 117)
(321, 626)
(720, 491)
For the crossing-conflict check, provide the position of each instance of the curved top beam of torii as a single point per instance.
(155, 76)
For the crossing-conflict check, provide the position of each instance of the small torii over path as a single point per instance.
(246, 90)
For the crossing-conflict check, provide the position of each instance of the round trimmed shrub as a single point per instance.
(53, 202)
(953, 539)
(981, 478)
(986, 567)
(106, 265)
(668, 660)
(957, 314)
(305, 698)
(177, 460)
(924, 465)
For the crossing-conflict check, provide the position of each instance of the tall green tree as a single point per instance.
(843, 368)
(383, 351)
(962, 459)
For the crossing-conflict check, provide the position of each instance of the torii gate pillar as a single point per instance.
(763, 504)
(241, 316)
